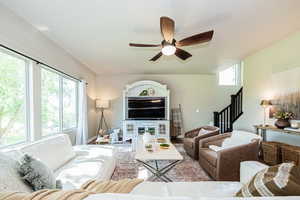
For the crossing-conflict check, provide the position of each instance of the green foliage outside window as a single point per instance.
(12, 100)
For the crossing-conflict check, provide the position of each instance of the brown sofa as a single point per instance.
(192, 138)
(224, 165)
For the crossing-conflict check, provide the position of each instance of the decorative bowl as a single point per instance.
(161, 140)
(164, 146)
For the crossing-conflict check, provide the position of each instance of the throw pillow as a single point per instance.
(37, 174)
(10, 179)
(215, 148)
(279, 180)
(203, 131)
(233, 142)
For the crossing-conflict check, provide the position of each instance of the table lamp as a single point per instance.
(102, 104)
(265, 104)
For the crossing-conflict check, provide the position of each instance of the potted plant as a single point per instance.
(283, 119)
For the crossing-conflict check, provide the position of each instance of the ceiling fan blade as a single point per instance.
(182, 54)
(144, 45)
(157, 56)
(196, 39)
(167, 26)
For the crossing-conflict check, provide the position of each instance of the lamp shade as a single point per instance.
(265, 103)
(100, 103)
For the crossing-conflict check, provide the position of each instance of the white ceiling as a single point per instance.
(97, 32)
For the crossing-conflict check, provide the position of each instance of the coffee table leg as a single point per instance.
(160, 173)
(155, 172)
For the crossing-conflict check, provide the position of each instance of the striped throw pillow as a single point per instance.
(279, 180)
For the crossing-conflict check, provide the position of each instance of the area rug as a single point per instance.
(188, 170)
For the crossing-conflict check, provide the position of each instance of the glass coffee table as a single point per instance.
(147, 158)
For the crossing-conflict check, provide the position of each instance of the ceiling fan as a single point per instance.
(169, 45)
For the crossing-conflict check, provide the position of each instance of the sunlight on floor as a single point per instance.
(143, 173)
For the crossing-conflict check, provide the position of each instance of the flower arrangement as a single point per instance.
(284, 115)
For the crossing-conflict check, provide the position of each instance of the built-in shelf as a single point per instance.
(159, 127)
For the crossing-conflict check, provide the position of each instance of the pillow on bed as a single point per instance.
(279, 180)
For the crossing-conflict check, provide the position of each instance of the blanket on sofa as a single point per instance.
(89, 188)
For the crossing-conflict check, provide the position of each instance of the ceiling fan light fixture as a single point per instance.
(168, 50)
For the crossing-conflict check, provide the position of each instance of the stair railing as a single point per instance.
(226, 117)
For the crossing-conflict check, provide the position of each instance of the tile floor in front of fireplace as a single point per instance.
(127, 167)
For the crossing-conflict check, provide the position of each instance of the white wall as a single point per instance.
(21, 36)
(191, 91)
(259, 68)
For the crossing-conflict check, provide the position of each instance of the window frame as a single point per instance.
(61, 107)
(27, 97)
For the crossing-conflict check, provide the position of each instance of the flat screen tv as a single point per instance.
(146, 108)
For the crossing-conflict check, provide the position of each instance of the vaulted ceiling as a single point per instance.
(97, 32)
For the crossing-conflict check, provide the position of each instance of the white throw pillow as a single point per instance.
(233, 142)
(239, 138)
(245, 135)
(215, 148)
(203, 131)
(10, 180)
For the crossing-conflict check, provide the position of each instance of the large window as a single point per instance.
(69, 104)
(59, 102)
(35, 100)
(13, 99)
(229, 76)
(50, 102)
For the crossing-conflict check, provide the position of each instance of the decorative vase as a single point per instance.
(282, 123)
(147, 137)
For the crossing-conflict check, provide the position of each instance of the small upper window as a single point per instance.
(229, 76)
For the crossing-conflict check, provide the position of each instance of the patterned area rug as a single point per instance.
(188, 170)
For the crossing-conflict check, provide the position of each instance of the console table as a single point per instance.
(262, 130)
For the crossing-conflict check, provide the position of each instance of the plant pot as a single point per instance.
(282, 123)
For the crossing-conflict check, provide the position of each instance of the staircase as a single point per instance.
(226, 117)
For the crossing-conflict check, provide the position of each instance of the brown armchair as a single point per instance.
(192, 138)
(224, 165)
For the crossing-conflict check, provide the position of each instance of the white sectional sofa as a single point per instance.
(204, 190)
(76, 165)
(72, 165)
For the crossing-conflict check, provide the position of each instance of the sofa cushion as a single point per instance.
(279, 180)
(54, 151)
(116, 196)
(188, 189)
(209, 155)
(91, 162)
(10, 180)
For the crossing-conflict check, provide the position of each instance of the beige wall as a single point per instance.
(18, 34)
(191, 91)
(259, 69)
